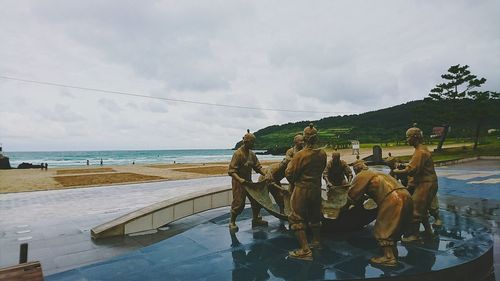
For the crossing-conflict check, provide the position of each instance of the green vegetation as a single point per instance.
(458, 85)
(491, 148)
(387, 126)
(455, 105)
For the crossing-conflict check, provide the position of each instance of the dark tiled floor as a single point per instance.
(210, 252)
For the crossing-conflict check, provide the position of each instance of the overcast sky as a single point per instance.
(322, 56)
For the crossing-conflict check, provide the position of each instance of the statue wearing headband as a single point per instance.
(274, 173)
(424, 179)
(337, 171)
(304, 172)
(240, 170)
(394, 213)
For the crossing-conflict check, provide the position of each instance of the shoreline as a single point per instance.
(56, 178)
(26, 180)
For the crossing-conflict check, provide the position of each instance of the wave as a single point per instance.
(125, 157)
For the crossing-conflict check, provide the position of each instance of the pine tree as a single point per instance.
(456, 88)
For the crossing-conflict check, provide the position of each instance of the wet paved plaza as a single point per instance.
(210, 251)
(56, 224)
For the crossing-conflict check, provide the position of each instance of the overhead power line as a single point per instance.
(161, 98)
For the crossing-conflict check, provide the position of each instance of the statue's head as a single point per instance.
(249, 139)
(335, 156)
(414, 135)
(298, 141)
(310, 134)
(391, 162)
(359, 165)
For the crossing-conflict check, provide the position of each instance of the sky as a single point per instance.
(327, 58)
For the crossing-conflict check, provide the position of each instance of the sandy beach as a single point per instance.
(21, 180)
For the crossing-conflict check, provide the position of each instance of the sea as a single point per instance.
(125, 157)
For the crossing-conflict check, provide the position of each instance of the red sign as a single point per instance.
(438, 131)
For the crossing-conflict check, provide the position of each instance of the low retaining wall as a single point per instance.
(164, 212)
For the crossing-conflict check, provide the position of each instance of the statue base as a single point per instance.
(462, 251)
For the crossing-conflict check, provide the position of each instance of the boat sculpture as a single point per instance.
(337, 216)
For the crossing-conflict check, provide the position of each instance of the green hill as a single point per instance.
(386, 125)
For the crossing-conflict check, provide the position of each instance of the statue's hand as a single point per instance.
(242, 180)
(268, 179)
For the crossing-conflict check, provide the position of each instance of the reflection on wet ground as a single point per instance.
(209, 251)
(474, 197)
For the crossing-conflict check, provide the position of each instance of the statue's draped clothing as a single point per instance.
(423, 180)
(337, 172)
(304, 172)
(242, 163)
(395, 204)
(274, 173)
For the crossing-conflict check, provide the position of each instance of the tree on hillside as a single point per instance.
(458, 82)
(457, 89)
(479, 111)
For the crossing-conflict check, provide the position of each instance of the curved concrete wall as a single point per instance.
(164, 212)
(464, 160)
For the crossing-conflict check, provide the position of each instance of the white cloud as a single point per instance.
(333, 56)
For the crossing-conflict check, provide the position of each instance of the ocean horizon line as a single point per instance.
(123, 157)
(109, 150)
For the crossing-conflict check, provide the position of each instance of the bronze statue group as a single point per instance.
(404, 197)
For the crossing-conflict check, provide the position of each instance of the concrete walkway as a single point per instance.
(56, 223)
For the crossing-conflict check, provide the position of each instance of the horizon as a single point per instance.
(173, 149)
(108, 150)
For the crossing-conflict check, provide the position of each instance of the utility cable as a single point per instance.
(165, 99)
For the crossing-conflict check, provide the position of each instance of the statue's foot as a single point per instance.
(259, 222)
(437, 223)
(411, 238)
(301, 254)
(384, 261)
(316, 245)
(233, 227)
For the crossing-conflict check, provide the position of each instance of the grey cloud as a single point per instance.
(18, 101)
(132, 105)
(213, 114)
(155, 107)
(65, 93)
(332, 87)
(350, 56)
(158, 39)
(61, 113)
(110, 105)
(323, 55)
